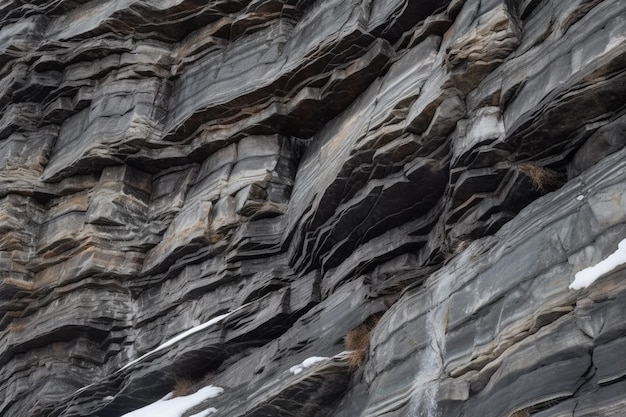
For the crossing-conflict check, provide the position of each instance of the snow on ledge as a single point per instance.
(178, 338)
(183, 335)
(587, 276)
(176, 407)
(307, 363)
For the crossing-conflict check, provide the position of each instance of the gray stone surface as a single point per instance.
(431, 174)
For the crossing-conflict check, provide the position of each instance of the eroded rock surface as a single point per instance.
(214, 192)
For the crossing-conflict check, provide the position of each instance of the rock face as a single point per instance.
(220, 191)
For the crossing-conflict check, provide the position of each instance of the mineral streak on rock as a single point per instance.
(429, 173)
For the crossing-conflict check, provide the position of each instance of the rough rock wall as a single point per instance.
(295, 170)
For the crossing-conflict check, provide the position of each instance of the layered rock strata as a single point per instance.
(228, 192)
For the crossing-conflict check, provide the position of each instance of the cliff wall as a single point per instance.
(344, 208)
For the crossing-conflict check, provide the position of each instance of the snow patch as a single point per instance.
(81, 389)
(587, 276)
(307, 363)
(580, 198)
(181, 336)
(176, 407)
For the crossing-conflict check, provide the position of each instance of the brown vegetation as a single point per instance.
(540, 177)
(521, 413)
(357, 340)
(183, 387)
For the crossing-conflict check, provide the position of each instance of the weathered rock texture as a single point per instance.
(307, 166)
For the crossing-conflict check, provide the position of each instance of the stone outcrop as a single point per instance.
(219, 192)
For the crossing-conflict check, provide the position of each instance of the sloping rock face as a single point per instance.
(219, 191)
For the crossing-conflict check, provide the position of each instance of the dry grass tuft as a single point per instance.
(540, 177)
(355, 358)
(357, 340)
(183, 387)
(521, 413)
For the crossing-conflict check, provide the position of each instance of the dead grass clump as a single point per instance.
(540, 177)
(355, 358)
(183, 387)
(521, 413)
(357, 340)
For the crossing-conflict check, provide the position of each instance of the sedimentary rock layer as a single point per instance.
(326, 208)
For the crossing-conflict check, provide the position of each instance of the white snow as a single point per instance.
(81, 389)
(313, 360)
(179, 337)
(580, 197)
(306, 364)
(587, 276)
(176, 407)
